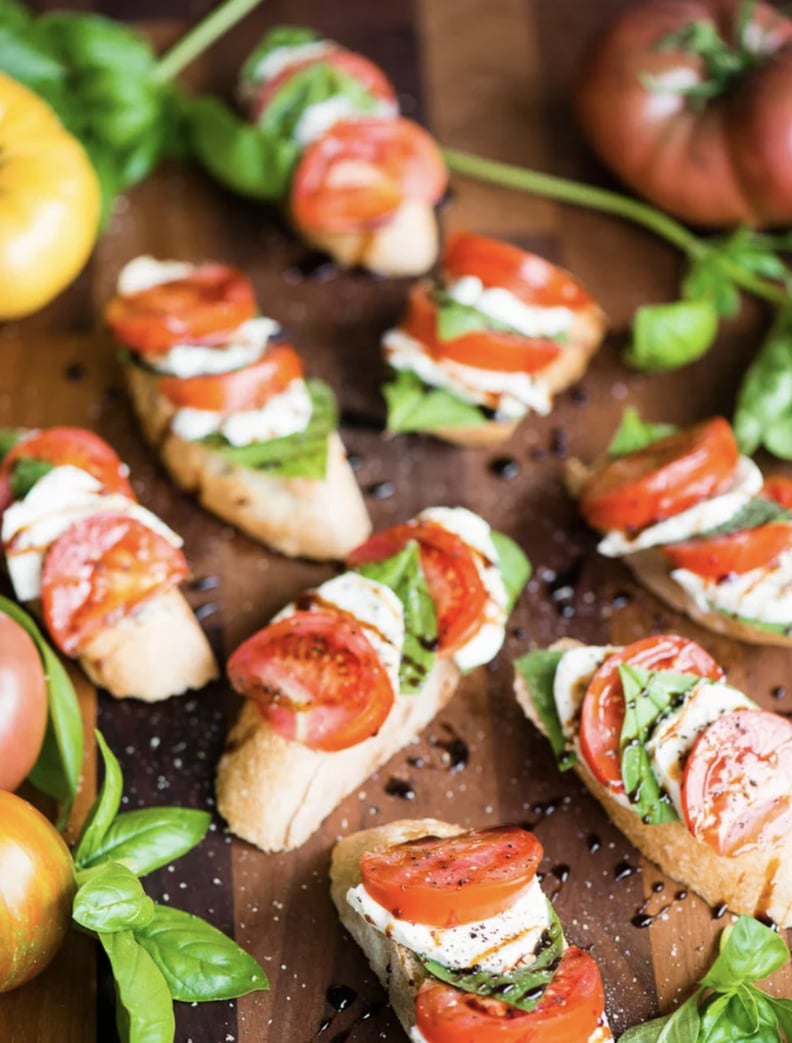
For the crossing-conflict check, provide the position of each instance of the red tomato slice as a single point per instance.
(734, 554)
(528, 276)
(778, 488)
(315, 678)
(68, 445)
(449, 566)
(101, 569)
(356, 176)
(446, 881)
(367, 74)
(248, 388)
(569, 1011)
(502, 352)
(736, 788)
(666, 477)
(602, 713)
(203, 307)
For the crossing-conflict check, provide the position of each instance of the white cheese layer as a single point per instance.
(503, 306)
(145, 271)
(674, 736)
(475, 533)
(62, 497)
(573, 675)
(764, 594)
(280, 59)
(377, 610)
(317, 119)
(496, 944)
(511, 395)
(246, 344)
(284, 414)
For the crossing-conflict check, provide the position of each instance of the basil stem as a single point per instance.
(199, 38)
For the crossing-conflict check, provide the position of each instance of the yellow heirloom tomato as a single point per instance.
(49, 202)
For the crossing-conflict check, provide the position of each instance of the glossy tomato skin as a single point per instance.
(735, 554)
(23, 703)
(37, 887)
(725, 162)
(779, 488)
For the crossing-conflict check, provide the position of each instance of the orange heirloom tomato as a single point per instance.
(37, 887)
(49, 203)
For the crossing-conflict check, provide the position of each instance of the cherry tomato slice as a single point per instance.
(202, 308)
(23, 703)
(67, 445)
(528, 276)
(666, 477)
(569, 1011)
(736, 792)
(501, 352)
(734, 554)
(99, 570)
(356, 176)
(446, 881)
(449, 566)
(315, 678)
(778, 488)
(602, 713)
(248, 388)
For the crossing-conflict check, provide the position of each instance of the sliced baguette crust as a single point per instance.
(759, 882)
(157, 651)
(275, 792)
(300, 517)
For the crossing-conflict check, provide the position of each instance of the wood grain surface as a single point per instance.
(491, 76)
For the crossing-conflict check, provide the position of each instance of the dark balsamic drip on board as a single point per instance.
(454, 747)
(74, 372)
(543, 810)
(624, 869)
(505, 467)
(357, 420)
(561, 873)
(339, 997)
(562, 587)
(209, 609)
(202, 583)
(369, 1012)
(719, 910)
(402, 788)
(381, 490)
(313, 265)
(594, 843)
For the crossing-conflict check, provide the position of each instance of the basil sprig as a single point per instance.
(455, 319)
(634, 433)
(281, 36)
(414, 406)
(312, 86)
(513, 565)
(537, 670)
(763, 416)
(727, 1007)
(758, 511)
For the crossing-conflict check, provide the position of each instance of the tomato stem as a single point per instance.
(201, 37)
(578, 194)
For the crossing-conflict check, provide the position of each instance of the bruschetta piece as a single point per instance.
(230, 412)
(349, 673)
(460, 934)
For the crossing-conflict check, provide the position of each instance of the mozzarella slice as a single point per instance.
(496, 944)
(245, 345)
(503, 306)
(573, 675)
(317, 119)
(476, 534)
(674, 736)
(62, 497)
(284, 414)
(276, 61)
(145, 271)
(763, 594)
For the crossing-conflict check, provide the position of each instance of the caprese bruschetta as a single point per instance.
(365, 180)
(490, 340)
(459, 932)
(344, 677)
(102, 569)
(691, 769)
(697, 523)
(230, 411)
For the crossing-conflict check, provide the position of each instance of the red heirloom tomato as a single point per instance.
(734, 554)
(248, 388)
(697, 120)
(37, 886)
(23, 703)
(778, 488)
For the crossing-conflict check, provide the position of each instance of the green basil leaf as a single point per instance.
(782, 1008)
(633, 433)
(302, 455)
(758, 624)
(238, 154)
(198, 961)
(748, 951)
(680, 1027)
(90, 41)
(537, 670)
(513, 565)
(412, 406)
(24, 58)
(9, 436)
(648, 1032)
(455, 319)
(706, 280)
(105, 807)
(667, 336)
(403, 574)
(112, 899)
(522, 989)
(764, 402)
(144, 1009)
(26, 472)
(57, 770)
(312, 86)
(15, 15)
(280, 36)
(120, 108)
(149, 838)
(758, 511)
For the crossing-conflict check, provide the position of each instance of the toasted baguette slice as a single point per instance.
(756, 883)
(275, 792)
(300, 517)
(157, 651)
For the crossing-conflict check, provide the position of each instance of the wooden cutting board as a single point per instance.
(491, 76)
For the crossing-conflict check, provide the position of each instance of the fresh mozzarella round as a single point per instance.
(511, 395)
(503, 306)
(279, 59)
(673, 737)
(763, 594)
(417, 1036)
(573, 675)
(145, 271)
(317, 119)
(706, 515)
(498, 944)
(60, 498)
(477, 534)
(284, 414)
(244, 346)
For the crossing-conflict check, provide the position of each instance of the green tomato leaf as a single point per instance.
(537, 670)
(105, 807)
(198, 961)
(748, 951)
(514, 566)
(633, 433)
(112, 899)
(144, 1009)
(280, 36)
(667, 336)
(412, 406)
(149, 838)
(764, 401)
